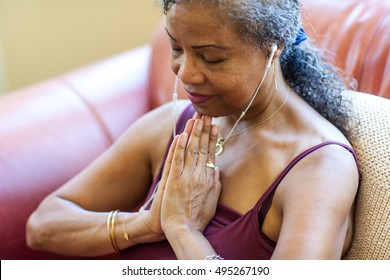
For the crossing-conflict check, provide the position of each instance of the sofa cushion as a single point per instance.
(353, 33)
(370, 139)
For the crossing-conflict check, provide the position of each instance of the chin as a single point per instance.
(205, 110)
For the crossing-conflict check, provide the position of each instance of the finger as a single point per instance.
(217, 187)
(177, 165)
(204, 142)
(217, 182)
(213, 143)
(164, 177)
(168, 161)
(189, 126)
(192, 153)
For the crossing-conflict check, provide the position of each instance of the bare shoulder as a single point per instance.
(329, 168)
(313, 204)
(328, 172)
(316, 200)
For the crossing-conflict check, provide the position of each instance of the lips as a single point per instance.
(197, 98)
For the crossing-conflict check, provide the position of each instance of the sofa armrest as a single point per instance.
(50, 131)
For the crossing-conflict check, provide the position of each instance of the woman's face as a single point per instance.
(219, 69)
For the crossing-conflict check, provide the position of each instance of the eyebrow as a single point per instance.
(197, 47)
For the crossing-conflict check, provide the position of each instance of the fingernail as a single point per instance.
(214, 130)
(183, 139)
(200, 125)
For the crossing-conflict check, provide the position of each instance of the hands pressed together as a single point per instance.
(189, 191)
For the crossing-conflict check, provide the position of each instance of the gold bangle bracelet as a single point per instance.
(114, 245)
(111, 229)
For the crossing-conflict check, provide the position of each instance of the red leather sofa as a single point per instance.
(51, 130)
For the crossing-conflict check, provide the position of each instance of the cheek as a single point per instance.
(233, 91)
(236, 88)
(238, 84)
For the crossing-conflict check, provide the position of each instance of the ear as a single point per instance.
(278, 51)
(273, 54)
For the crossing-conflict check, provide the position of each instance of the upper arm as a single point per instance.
(316, 199)
(121, 176)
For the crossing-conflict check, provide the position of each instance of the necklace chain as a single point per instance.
(221, 140)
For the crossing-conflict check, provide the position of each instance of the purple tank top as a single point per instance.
(233, 235)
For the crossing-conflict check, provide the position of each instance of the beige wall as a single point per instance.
(43, 38)
(3, 79)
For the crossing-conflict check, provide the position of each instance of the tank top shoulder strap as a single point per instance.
(265, 201)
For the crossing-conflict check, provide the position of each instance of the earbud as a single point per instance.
(274, 48)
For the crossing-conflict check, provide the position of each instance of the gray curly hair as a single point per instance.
(304, 67)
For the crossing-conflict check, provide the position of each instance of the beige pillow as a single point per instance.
(371, 141)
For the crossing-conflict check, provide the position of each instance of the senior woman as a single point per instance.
(259, 167)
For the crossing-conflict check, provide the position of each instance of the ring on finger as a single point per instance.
(209, 164)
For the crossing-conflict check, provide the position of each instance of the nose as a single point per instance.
(188, 70)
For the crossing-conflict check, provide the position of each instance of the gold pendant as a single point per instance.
(219, 147)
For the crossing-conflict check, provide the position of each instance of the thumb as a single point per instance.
(217, 181)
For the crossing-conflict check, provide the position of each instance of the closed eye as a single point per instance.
(213, 61)
(176, 49)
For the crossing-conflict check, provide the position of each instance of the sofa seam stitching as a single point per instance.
(92, 110)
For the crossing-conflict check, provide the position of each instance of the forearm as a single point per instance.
(62, 227)
(189, 244)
